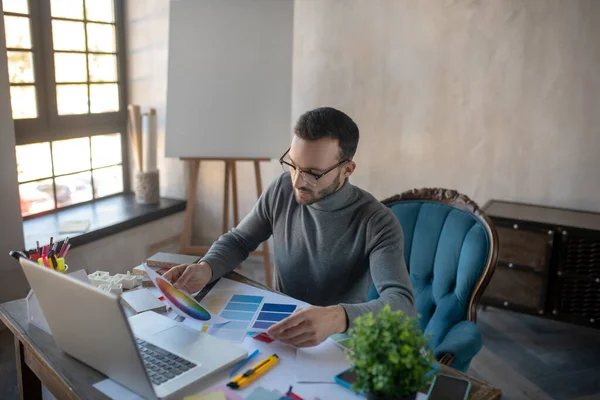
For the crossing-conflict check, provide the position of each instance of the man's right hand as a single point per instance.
(189, 277)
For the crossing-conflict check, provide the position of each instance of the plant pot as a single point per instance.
(372, 396)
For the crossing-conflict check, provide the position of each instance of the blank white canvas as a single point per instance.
(230, 78)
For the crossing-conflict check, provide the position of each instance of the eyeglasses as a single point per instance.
(309, 177)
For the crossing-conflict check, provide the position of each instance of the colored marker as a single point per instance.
(16, 254)
(253, 373)
(62, 248)
(244, 361)
(64, 253)
(54, 262)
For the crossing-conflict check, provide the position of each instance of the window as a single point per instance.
(66, 75)
(20, 59)
(66, 172)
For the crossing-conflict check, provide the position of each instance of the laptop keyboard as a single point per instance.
(162, 365)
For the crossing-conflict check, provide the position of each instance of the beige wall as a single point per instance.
(121, 252)
(147, 50)
(13, 283)
(498, 99)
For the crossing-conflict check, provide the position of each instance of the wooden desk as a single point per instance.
(39, 361)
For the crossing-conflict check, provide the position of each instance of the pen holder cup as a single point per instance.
(147, 188)
(64, 271)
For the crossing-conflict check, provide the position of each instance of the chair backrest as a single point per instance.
(451, 249)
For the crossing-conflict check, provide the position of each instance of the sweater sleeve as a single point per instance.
(233, 247)
(388, 268)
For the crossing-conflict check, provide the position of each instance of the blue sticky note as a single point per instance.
(267, 316)
(285, 308)
(242, 298)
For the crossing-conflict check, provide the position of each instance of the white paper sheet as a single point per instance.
(283, 374)
(320, 363)
(317, 364)
(321, 391)
(81, 275)
(182, 308)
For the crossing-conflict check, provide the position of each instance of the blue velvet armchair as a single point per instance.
(451, 249)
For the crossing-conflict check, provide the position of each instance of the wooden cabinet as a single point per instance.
(548, 262)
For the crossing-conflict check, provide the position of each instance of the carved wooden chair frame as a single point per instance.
(463, 202)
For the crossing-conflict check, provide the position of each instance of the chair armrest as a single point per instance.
(447, 359)
(462, 343)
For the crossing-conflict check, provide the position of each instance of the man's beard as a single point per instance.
(319, 195)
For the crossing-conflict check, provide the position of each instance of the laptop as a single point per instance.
(150, 354)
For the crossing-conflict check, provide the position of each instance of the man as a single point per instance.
(332, 240)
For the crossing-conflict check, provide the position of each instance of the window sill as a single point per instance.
(106, 217)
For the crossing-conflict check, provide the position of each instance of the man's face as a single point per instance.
(315, 156)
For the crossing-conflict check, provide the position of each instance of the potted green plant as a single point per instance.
(389, 355)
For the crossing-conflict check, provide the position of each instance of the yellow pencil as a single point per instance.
(255, 372)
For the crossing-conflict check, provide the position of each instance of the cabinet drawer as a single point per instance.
(578, 300)
(524, 248)
(581, 257)
(517, 288)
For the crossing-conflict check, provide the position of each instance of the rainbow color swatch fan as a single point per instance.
(181, 302)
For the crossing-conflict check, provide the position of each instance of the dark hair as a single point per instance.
(327, 122)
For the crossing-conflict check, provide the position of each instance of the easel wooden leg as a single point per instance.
(186, 246)
(234, 191)
(266, 252)
(226, 199)
(186, 235)
(234, 196)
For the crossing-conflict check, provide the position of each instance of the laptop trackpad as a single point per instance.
(178, 340)
(149, 323)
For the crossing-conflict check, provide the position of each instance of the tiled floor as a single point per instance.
(527, 357)
(533, 358)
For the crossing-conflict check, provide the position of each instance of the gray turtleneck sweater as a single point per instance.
(329, 252)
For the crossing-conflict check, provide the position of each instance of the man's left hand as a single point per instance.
(310, 326)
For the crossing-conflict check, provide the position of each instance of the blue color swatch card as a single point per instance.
(248, 314)
(271, 313)
(247, 309)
